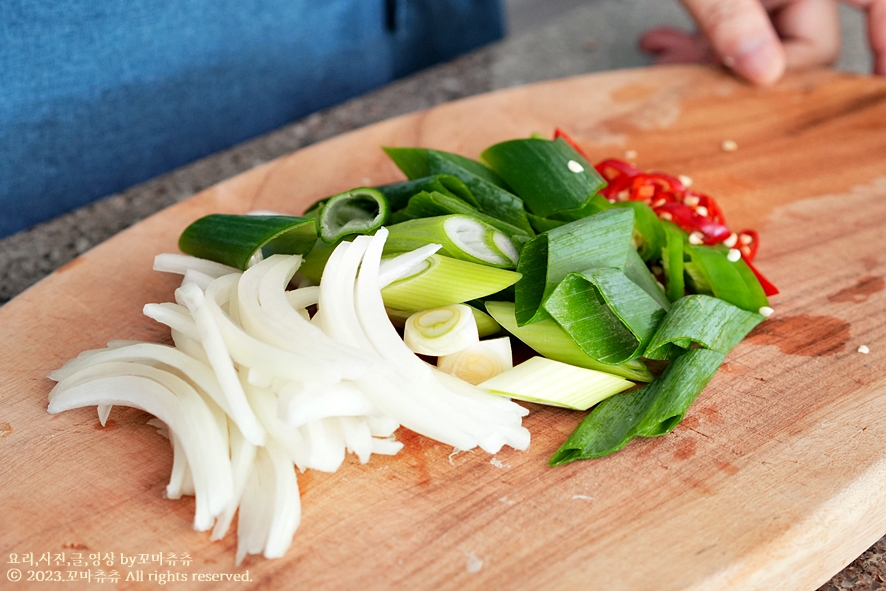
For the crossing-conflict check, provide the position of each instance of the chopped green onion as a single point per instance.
(649, 233)
(540, 224)
(462, 237)
(702, 320)
(595, 204)
(492, 198)
(549, 176)
(609, 316)
(637, 271)
(420, 162)
(424, 205)
(547, 338)
(550, 382)
(358, 211)
(486, 324)
(441, 331)
(479, 362)
(443, 281)
(241, 240)
(600, 240)
(398, 194)
(654, 409)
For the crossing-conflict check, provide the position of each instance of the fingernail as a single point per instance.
(760, 60)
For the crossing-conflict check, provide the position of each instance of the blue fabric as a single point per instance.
(98, 96)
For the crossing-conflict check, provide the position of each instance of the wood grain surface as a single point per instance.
(776, 479)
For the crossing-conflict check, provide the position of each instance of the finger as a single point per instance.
(743, 36)
(876, 13)
(810, 32)
(673, 46)
(663, 38)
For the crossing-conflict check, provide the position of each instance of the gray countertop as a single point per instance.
(549, 39)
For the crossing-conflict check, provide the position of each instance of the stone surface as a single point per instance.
(551, 39)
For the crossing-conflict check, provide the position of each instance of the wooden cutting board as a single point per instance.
(776, 479)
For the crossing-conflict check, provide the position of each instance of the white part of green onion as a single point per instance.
(550, 382)
(472, 237)
(506, 246)
(479, 362)
(441, 331)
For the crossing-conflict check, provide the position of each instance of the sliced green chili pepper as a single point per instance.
(358, 211)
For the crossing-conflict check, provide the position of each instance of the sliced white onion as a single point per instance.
(220, 360)
(181, 263)
(212, 476)
(405, 265)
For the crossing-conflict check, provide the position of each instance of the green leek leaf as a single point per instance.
(702, 320)
(549, 176)
(649, 233)
(540, 224)
(650, 411)
(398, 194)
(600, 240)
(595, 204)
(548, 339)
(235, 240)
(424, 204)
(414, 164)
(491, 198)
(637, 271)
(609, 316)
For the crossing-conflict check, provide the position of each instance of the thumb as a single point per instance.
(742, 36)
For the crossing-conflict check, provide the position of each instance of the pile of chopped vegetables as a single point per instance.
(287, 330)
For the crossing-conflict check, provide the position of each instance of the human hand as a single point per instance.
(759, 39)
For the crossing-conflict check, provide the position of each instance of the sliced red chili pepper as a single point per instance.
(687, 218)
(559, 133)
(618, 189)
(653, 189)
(612, 168)
(671, 183)
(768, 288)
(748, 251)
(713, 209)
